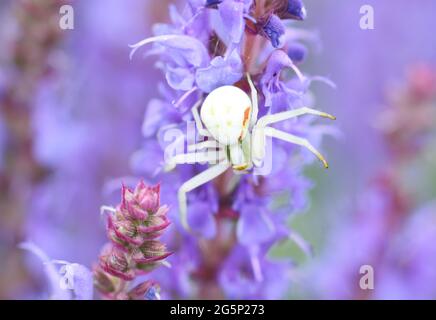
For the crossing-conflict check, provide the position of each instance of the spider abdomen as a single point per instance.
(225, 113)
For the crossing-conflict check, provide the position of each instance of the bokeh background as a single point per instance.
(72, 107)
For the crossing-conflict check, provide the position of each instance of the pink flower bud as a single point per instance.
(148, 197)
(116, 262)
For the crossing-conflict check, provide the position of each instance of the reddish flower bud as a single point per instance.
(148, 197)
(123, 232)
(149, 251)
(133, 229)
(148, 290)
(116, 262)
(103, 281)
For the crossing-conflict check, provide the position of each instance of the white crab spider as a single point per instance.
(236, 138)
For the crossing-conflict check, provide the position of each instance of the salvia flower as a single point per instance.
(71, 281)
(235, 220)
(273, 29)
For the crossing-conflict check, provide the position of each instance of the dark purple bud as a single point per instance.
(292, 9)
(297, 52)
(212, 3)
(272, 28)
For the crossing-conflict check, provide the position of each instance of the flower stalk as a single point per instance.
(134, 249)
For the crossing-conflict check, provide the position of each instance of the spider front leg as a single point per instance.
(211, 156)
(261, 130)
(198, 180)
(198, 123)
(254, 101)
(272, 132)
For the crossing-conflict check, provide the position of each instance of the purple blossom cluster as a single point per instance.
(235, 220)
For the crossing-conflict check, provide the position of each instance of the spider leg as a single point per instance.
(272, 132)
(198, 180)
(208, 144)
(210, 156)
(198, 123)
(254, 101)
(281, 116)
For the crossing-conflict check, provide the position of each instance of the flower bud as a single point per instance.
(116, 262)
(103, 281)
(148, 290)
(155, 224)
(151, 250)
(148, 197)
(123, 233)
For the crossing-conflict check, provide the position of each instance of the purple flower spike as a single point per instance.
(236, 218)
(273, 29)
